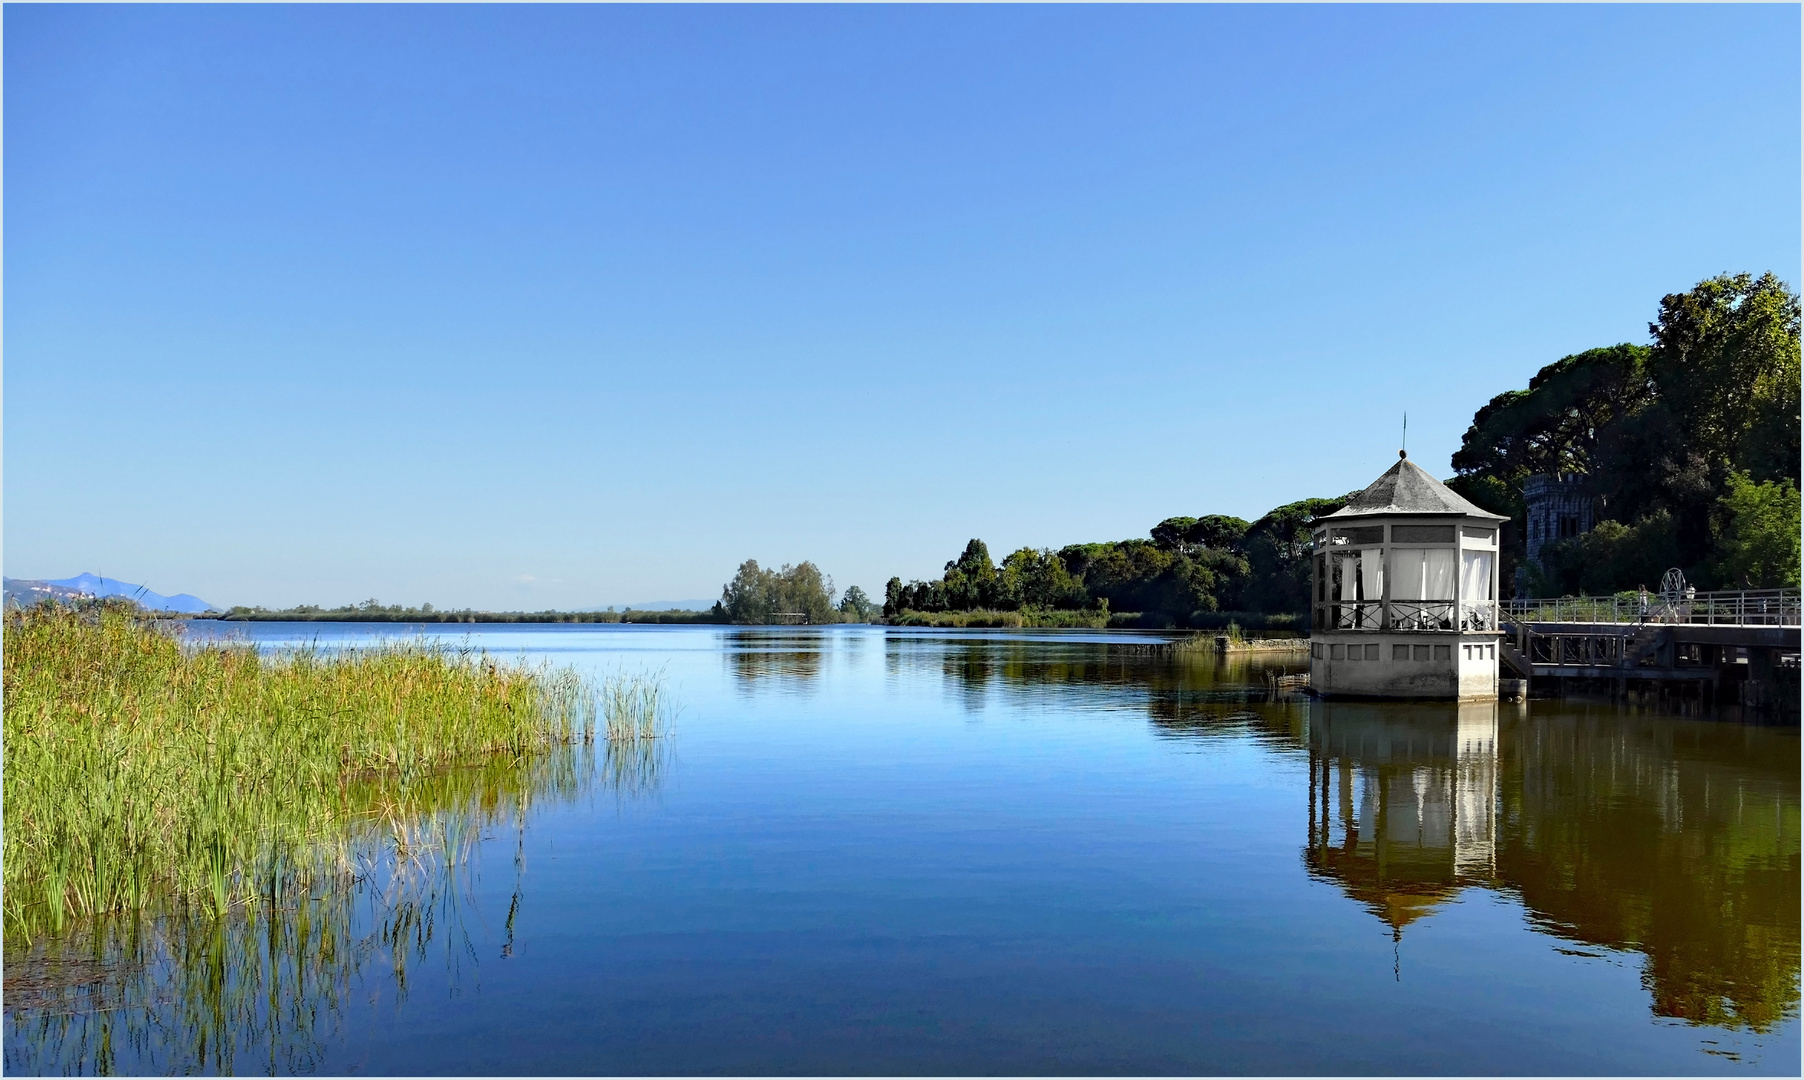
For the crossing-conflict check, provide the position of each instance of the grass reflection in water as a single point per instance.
(260, 987)
(315, 887)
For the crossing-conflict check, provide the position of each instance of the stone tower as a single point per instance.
(1559, 507)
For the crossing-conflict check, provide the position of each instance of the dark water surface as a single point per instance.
(902, 851)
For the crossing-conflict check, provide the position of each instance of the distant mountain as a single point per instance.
(30, 591)
(672, 605)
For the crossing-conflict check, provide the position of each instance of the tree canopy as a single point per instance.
(1191, 568)
(856, 605)
(760, 596)
(1662, 430)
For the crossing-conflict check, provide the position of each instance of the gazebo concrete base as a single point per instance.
(1404, 666)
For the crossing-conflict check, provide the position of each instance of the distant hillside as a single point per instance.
(669, 605)
(31, 591)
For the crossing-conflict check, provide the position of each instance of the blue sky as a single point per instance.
(569, 306)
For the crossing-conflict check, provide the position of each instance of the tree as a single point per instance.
(1610, 558)
(1555, 425)
(1658, 429)
(1725, 361)
(1185, 535)
(894, 598)
(1278, 549)
(1220, 532)
(1037, 578)
(748, 597)
(970, 580)
(856, 605)
(1173, 534)
(1758, 540)
(758, 596)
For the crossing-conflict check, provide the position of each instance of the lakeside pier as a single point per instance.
(1730, 647)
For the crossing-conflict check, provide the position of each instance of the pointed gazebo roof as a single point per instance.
(1408, 489)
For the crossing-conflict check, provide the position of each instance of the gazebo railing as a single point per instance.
(1727, 607)
(1351, 615)
(1478, 615)
(1406, 616)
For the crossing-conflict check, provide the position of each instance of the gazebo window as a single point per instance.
(1422, 534)
(1364, 536)
(1478, 610)
(1358, 585)
(1422, 585)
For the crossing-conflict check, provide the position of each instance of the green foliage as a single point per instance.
(1038, 578)
(1025, 617)
(1554, 425)
(970, 580)
(1188, 535)
(894, 597)
(1757, 534)
(1173, 533)
(142, 775)
(1725, 361)
(1190, 568)
(1610, 557)
(1278, 549)
(1223, 532)
(760, 596)
(856, 605)
(1660, 430)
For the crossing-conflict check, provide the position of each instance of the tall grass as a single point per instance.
(258, 988)
(142, 775)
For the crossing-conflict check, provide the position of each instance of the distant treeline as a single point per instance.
(1691, 446)
(1193, 572)
(375, 611)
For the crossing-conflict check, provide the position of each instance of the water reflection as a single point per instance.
(1621, 829)
(1180, 688)
(787, 658)
(1672, 838)
(1402, 803)
(1678, 839)
(264, 988)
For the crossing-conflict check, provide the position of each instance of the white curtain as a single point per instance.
(1371, 574)
(1437, 574)
(1348, 562)
(1406, 574)
(1422, 574)
(1475, 576)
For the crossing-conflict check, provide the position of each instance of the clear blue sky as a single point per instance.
(574, 306)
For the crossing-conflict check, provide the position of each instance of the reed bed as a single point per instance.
(258, 989)
(141, 775)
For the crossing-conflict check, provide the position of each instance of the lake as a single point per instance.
(871, 850)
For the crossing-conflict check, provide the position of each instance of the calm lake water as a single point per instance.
(901, 851)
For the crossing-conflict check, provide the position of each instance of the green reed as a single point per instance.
(143, 776)
(262, 987)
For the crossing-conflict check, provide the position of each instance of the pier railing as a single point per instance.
(1727, 607)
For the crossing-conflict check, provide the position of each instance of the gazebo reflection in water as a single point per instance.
(1402, 802)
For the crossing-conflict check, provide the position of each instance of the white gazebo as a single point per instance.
(1405, 594)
